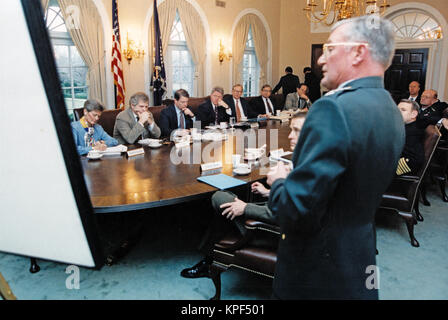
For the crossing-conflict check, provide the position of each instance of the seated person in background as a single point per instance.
(414, 92)
(236, 103)
(413, 155)
(136, 122)
(228, 207)
(214, 110)
(262, 106)
(431, 111)
(177, 115)
(299, 99)
(89, 135)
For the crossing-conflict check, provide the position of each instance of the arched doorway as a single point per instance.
(421, 48)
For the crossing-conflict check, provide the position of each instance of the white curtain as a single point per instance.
(260, 43)
(86, 29)
(194, 36)
(240, 36)
(44, 4)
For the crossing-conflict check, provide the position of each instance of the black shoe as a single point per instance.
(199, 270)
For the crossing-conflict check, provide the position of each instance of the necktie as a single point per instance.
(269, 106)
(182, 121)
(216, 114)
(238, 112)
(412, 99)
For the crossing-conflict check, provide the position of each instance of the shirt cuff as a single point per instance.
(229, 111)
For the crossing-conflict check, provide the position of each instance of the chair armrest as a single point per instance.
(259, 225)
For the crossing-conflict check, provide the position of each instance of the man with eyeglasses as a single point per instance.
(237, 104)
(262, 106)
(344, 160)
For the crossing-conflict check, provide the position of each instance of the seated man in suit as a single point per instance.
(299, 99)
(288, 83)
(214, 110)
(228, 207)
(431, 111)
(413, 154)
(136, 122)
(178, 115)
(414, 92)
(236, 103)
(262, 106)
(87, 133)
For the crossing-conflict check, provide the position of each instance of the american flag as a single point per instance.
(158, 81)
(117, 67)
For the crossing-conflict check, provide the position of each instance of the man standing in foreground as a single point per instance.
(346, 157)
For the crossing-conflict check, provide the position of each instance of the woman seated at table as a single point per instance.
(87, 133)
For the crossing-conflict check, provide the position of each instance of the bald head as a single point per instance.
(414, 88)
(429, 97)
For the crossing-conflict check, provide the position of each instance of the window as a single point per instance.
(71, 67)
(416, 26)
(251, 68)
(180, 66)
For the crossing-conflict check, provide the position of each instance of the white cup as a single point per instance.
(278, 112)
(236, 160)
(223, 125)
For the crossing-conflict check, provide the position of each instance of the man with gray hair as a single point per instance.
(344, 160)
(136, 122)
(214, 110)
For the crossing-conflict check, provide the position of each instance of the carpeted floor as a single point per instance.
(169, 241)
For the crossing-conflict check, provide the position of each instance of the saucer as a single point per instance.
(154, 146)
(94, 157)
(242, 170)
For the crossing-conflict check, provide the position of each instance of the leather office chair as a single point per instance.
(403, 194)
(438, 168)
(255, 252)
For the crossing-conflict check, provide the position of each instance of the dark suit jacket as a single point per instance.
(231, 104)
(289, 83)
(345, 159)
(313, 84)
(168, 121)
(406, 96)
(207, 115)
(432, 114)
(256, 106)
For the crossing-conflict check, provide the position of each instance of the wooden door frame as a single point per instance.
(432, 48)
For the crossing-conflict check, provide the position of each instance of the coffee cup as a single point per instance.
(236, 160)
(223, 125)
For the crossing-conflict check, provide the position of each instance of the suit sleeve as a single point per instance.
(278, 86)
(110, 142)
(165, 124)
(129, 132)
(300, 200)
(252, 109)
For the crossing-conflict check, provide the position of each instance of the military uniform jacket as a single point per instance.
(431, 114)
(344, 160)
(413, 151)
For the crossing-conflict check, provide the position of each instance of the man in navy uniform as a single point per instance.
(344, 160)
(431, 111)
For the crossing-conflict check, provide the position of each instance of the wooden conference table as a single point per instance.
(118, 183)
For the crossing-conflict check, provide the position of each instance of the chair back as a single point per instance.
(107, 120)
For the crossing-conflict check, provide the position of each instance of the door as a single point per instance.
(407, 65)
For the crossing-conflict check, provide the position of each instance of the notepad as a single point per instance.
(221, 181)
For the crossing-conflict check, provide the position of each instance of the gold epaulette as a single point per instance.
(403, 167)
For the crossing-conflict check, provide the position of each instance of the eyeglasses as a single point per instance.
(328, 47)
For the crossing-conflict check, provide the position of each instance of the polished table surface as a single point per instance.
(117, 183)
